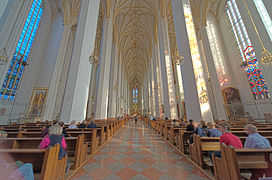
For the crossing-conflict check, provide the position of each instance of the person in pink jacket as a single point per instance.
(54, 136)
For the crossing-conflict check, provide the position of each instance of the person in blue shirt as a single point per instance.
(255, 140)
(92, 125)
(212, 131)
(201, 129)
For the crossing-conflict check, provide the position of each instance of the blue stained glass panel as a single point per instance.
(23, 48)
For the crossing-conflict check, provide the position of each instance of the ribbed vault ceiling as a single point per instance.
(134, 22)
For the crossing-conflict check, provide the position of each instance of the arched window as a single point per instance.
(217, 54)
(250, 62)
(22, 51)
(264, 16)
(135, 95)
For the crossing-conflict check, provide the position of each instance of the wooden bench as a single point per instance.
(99, 131)
(90, 138)
(233, 160)
(206, 144)
(45, 161)
(76, 148)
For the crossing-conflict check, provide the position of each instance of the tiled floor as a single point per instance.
(138, 153)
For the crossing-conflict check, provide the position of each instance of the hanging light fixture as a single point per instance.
(178, 58)
(94, 58)
(203, 96)
(266, 58)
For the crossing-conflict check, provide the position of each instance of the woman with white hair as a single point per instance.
(54, 136)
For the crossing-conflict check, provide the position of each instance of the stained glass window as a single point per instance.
(264, 16)
(250, 62)
(135, 95)
(21, 54)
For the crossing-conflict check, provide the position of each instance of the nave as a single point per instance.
(138, 153)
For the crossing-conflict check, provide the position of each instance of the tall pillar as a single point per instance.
(156, 98)
(58, 70)
(118, 102)
(94, 61)
(159, 77)
(104, 76)
(151, 104)
(115, 69)
(169, 94)
(213, 79)
(188, 76)
(77, 86)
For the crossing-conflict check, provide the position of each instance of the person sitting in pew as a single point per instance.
(82, 125)
(92, 125)
(228, 138)
(190, 126)
(45, 130)
(14, 170)
(55, 136)
(255, 140)
(174, 123)
(64, 132)
(72, 125)
(212, 131)
(201, 130)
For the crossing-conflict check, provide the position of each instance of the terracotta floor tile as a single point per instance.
(79, 173)
(128, 161)
(126, 173)
(152, 173)
(100, 173)
(198, 172)
(149, 160)
(129, 153)
(107, 161)
(178, 173)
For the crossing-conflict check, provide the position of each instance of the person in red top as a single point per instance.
(228, 138)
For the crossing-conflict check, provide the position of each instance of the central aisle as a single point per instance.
(138, 153)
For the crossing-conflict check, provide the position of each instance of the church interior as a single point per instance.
(136, 89)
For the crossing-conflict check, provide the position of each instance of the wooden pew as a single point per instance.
(45, 161)
(90, 138)
(206, 144)
(233, 160)
(76, 148)
(182, 139)
(100, 132)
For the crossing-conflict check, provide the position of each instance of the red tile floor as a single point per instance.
(138, 153)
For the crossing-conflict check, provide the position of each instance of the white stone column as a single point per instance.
(169, 94)
(188, 76)
(91, 100)
(150, 89)
(213, 79)
(55, 81)
(104, 76)
(159, 77)
(156, 98)
(77, 87)
(114, 91)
